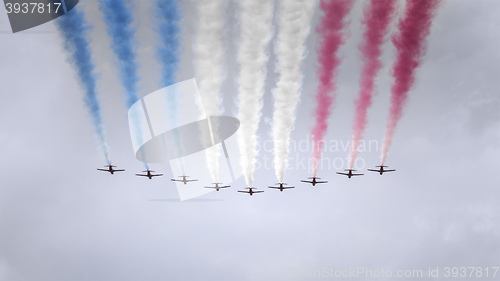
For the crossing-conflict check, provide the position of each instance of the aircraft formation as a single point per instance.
(249, 190)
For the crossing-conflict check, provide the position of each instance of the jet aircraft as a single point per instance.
(281, 186)
(149, 174)
(183, 180)
(110, 169)
(349, 174)
(314, 181)
(381, 170)
(251, 191)
(217, 186)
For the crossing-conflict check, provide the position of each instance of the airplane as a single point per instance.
(314, 181)
(281, 186)
(148, 174)
(381, 170)
(349, 174)
(110, 169)
(251, 191)
(184, 180)
(217, 186)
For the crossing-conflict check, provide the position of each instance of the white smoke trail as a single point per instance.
(209, 54)
(294, 27)
(256, 32)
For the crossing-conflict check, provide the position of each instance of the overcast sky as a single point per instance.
(60, 219)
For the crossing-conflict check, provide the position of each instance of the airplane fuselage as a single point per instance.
(148, 174)
(110, 169)
(381, 170)
(349, 173)
(250, 191)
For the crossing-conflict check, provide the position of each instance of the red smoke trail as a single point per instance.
(331, 34)
(377, 16)
(410, 44)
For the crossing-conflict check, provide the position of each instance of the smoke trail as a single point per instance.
(331, 35)
(377, 16)
(73, 27)
(294, 27)
(208, 49)
(167, 29)
(256, 32)
(118, 20)
(410, 43)
(167, 17)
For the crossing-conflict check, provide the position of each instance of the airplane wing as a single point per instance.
(374, 170)
(191, 180)
(357, 174)
(141, 175)
(258, 191)
(287, 187)
(119, 170)
(157, 175)
(210, 187)
(345, 174)
(104, 170)
(389, 171)
(321, 182)
(307, 181)
(243, 191)
(274, 187)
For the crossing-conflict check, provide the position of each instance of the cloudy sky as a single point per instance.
(60, 219)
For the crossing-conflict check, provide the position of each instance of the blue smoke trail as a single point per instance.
(73, 27)
(118, 18)
(167, 16)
